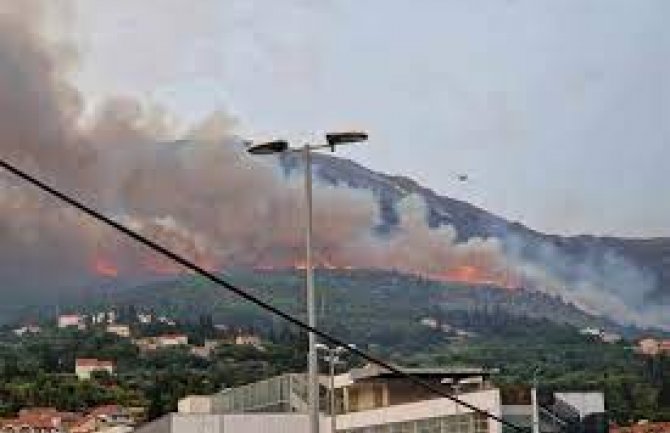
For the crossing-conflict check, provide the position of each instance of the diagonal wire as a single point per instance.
(245, 295)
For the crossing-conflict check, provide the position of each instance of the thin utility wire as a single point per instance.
(243, 294)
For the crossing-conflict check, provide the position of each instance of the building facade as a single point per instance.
(122, 331)
(374, 400)
(652, 346)
(70, 320)
(85, 367)
(172, 340)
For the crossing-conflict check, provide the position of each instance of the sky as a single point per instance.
(556, 110)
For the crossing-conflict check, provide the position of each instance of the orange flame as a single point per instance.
(466, 273)
(470, 274)
(105, 267)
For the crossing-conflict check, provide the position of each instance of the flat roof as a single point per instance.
(375, 372)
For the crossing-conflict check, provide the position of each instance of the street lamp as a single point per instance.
(333, 358)
(534, 403)
(333, 139)
(268, 147)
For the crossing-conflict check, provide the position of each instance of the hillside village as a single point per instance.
(141, 362)
(111, 362)
(147, 331)
(105, 418)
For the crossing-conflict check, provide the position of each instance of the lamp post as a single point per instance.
(534, 403)
(280, 146)
(332, 358)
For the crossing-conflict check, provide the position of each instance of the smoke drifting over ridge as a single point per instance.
(206, 199)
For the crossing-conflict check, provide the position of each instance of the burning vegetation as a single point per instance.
(207, 200)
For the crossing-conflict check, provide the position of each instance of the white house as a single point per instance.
(248, 340)
(595, 332)
(171, 340)
(610, 337)
(144, 318)
(71, 320)
(28, 329)
(85, 367)
(429, 322)
(206, 349)
(120, 330)
(168, 340)
(167, 321)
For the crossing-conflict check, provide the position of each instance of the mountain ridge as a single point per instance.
(361, 295)
(650, 256)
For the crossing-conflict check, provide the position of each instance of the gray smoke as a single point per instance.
(599, 281)
(205, 198)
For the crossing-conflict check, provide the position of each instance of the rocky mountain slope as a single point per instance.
(636, 270)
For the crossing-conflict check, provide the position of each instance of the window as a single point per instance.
(466, 423)
(378, 391)
(449, 425)
(462, 424)
(481, 424)
(402, 427)
(353, 399)
(428, 425)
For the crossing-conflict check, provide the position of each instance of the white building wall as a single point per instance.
(201, 404)
(192, 420)
(266, 423)
(196, 424)
(69, 320)
(488, 400)
(585, 402)
(239, 423)
(120, 330)
(86, 371)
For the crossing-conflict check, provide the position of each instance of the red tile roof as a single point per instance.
(110, 409)
(92, 362)
(38, 418)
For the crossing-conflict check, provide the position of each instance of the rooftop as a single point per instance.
(39, 418)
(106, 410)
(92, 362)
(372, 371)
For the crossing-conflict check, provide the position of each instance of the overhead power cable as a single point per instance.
(246, 295)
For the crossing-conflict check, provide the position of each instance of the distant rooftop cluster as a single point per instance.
(653, 346)
(101, 419)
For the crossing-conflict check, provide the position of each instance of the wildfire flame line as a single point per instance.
(469, 273)
(466, 274)
(105, 267)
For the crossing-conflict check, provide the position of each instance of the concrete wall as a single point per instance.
(266, 423)
(585, 402)
(201, 404)
(488, 400)
(299, 423)
(161, 425)
(242, 423)
(366, 396)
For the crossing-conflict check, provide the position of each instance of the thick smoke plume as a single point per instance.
(206, 199)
